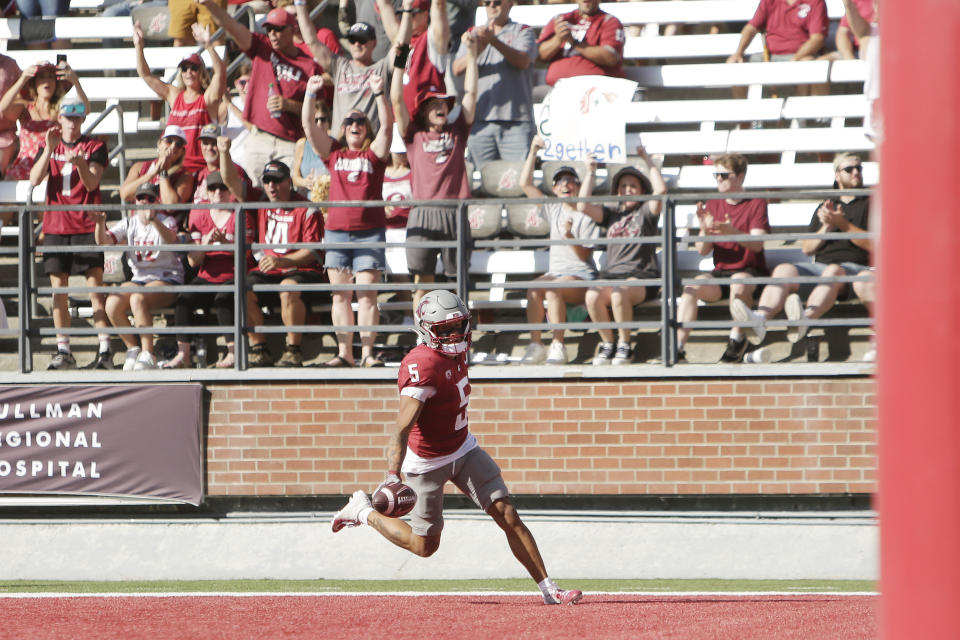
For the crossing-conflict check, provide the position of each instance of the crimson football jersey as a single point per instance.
(282, 226)
(442, 384)
(64, 187)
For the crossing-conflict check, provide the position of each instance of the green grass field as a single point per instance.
(362, 586)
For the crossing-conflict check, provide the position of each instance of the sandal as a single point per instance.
(371, 361)
(337, 361)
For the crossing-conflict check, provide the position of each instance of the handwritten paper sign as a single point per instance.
(586, 114)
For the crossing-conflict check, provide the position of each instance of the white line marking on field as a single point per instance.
(426, 594)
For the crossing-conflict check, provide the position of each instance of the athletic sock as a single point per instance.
(104, 344)
(63, 345)
(546, 585)
(364, 514)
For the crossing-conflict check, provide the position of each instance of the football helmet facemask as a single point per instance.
(443, 322)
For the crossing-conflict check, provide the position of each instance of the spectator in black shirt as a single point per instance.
(832, 258)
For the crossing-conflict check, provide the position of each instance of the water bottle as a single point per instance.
(758, 356)
(200, 351)
(813, 348)
(272, 91)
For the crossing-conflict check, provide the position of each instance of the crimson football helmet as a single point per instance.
(443, 322)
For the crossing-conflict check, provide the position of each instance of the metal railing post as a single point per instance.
(668, 311)
(25, 269)
(240, 289)
(463, 252)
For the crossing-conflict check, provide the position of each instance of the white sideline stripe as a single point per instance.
(422, 594)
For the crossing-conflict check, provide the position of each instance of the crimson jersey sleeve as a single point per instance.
(441, 383)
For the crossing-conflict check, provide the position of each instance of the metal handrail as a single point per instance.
(463, 284)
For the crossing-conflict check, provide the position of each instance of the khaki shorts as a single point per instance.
(184, 13)
(475, 474)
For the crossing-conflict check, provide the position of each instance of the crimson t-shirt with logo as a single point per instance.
(355, 175)
(598, 30)
(218, 266)
(788, 26)
(64, 187)
(438, 162)
(289, 78)
(281, 226)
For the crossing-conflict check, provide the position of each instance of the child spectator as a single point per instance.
(150, 268)
(72, 164)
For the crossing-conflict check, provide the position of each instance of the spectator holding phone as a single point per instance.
(33, 100)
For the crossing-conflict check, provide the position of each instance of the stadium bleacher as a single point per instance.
(683, 117)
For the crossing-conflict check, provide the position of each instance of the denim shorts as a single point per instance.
(817, 269)
(359, 259)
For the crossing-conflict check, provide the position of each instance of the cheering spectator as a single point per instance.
(737, 260)
(356, 162)
(9, 72)
(309, 171)
(436, 151)
(211, 226)
(72, 164)
(150, 268)
(368, 12)
(175, 184)
(584, 42)
(351, 75)
(504, 124)
(280, 265)
(278, 80)
(194, 97)
(33, 100)
(568, 262)
(832, 258)
(626, 261)
(215, 151)
(186, 16)
(424, 40)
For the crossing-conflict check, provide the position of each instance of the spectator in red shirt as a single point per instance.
(794, 30)
(280, 265)
(585, 42)
(727, 217)
(278, 80)
(194, 97)
(356, 162)
(72, 164)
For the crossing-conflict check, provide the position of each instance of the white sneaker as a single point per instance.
(349, 516)
(740, 312)
(131, 358)
(145, 361)
(793, 307)
(535, 354)
(558, 354)
(624, 354)
(871, 355)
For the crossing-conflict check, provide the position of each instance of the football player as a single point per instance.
(432, 445)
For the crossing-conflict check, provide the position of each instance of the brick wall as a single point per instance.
(712, 436)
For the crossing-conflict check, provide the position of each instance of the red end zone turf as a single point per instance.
(608, 616)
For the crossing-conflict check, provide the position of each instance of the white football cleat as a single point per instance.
(349, 516)
(563, 596)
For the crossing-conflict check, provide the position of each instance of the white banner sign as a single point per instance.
(586, 114)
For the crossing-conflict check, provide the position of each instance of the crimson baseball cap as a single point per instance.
(194, 59)
(280, 18)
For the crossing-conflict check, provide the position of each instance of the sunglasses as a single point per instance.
(147, 199)
(270, 28)
(175, 142)
(73, 110)
(722, 175)
(411, 11)
(355, 40)
(218, 187)
(189, 67)
(852, 168)
(322, 119)
(491, 3)
(349, 120)
(272, 180)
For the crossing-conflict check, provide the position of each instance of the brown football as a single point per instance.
(394, 499)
